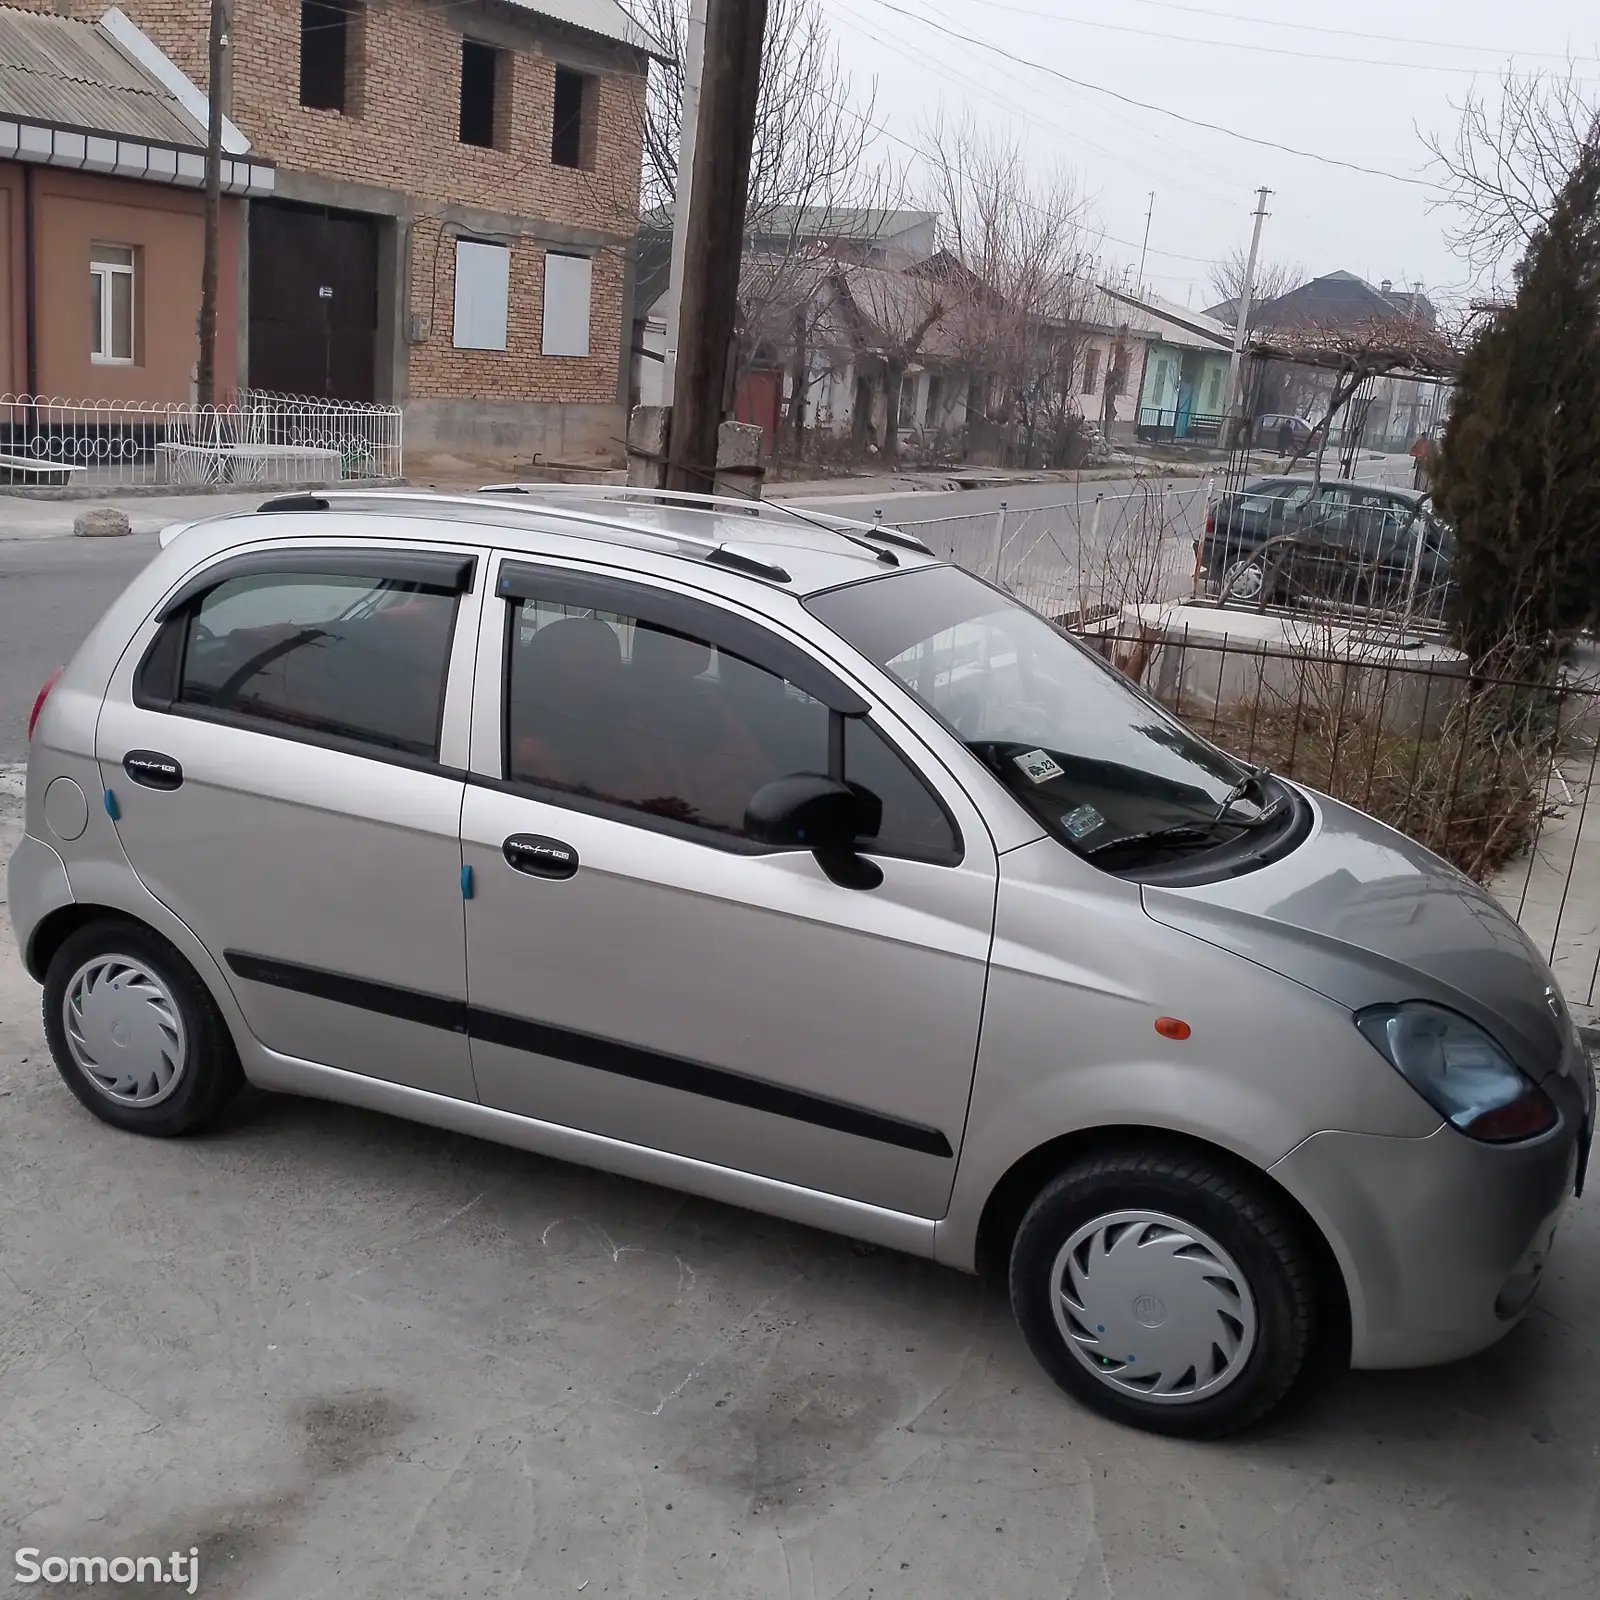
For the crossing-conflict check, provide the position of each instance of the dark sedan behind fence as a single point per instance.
(1346, 547)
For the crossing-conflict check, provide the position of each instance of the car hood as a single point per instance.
(1366, 916)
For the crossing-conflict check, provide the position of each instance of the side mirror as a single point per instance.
(807, 811)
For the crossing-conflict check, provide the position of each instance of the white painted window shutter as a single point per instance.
(483, 288)
(567, 282)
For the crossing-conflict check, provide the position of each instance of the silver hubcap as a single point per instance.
(1153, 1307)
(1245, 580)
(124, 1031)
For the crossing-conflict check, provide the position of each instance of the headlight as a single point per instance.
(1459, 1070)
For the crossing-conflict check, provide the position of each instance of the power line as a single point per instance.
(1213, 177)
(1145, 105)
(1344, 33)
(1232, 44)
(1108, 238)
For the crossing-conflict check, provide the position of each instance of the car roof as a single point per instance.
(745, 542)
(1410, 496)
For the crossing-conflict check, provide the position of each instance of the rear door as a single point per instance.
(282, 749)
(641, 968)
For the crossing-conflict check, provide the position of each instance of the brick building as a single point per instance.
(102, 160)
(456, 186)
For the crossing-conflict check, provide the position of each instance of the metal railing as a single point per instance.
(1170, 425)
(1100, 551)
(259, 438)
(1497, 775)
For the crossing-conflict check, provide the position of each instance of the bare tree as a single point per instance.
(1019, 257)
(1273, 279)
(1509, 156)
(897, 310)
(811, 136)
(816, 184)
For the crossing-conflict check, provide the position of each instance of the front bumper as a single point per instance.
(1442, 1241)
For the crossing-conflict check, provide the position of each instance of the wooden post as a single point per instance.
(206, 374)
(708, 310)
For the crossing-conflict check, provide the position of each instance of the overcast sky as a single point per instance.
(1354, 82)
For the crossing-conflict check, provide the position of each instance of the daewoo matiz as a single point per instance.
(768, 857)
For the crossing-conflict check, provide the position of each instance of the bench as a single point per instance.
(37, 472)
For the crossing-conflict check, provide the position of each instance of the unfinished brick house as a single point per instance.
(456, 185)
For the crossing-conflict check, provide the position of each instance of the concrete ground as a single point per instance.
(346, 1356)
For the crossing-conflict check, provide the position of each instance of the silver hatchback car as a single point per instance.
(767, 857)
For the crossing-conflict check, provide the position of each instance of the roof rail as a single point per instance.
(718, 551)
(845, 527)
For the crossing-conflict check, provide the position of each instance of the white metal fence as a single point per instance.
(259, 438)
(1084, 556)
(1081, 559)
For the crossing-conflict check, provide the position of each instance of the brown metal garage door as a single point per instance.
(313, 300)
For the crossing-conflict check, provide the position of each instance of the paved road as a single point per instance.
(52, 591)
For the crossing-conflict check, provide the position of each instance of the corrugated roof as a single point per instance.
(60, 70)
(606, 18)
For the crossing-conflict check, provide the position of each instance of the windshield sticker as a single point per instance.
(1038, 767)
(1081, 822)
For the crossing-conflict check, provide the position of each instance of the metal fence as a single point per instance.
(259, 438)
(1096, 552)
(1496, 775)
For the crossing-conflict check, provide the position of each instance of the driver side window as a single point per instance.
(618, 712)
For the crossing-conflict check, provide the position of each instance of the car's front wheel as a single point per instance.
(1164, 1290)
(1245, 580)
(135, 1033)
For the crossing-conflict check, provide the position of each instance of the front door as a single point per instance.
(271, 749)
(640, 968)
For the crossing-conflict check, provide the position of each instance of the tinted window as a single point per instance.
(914, 822)
(355, 658)
(607, 708)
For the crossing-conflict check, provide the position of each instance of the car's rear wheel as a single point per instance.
(1164, 1290)
(135, 1033)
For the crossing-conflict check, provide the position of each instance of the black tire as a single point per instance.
(1240, 1216)
(210, 1075)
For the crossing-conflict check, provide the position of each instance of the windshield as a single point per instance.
(1095, 760)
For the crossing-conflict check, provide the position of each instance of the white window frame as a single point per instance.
(104, 273)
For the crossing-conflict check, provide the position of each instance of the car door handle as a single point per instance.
(540, 856)
(152, 770)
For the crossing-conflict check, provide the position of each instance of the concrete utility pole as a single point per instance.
(1145, 249)
(694, 52)
(1241, 326)
(206, 373)
(708, 307)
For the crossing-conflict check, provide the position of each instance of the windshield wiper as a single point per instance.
(1178, 833)
(1251, 780)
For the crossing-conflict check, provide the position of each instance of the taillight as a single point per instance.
(44, 694)
(1211, 522)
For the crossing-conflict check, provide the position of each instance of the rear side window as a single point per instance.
(610, 709)
(354, 659)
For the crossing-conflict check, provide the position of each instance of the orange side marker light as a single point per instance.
(1173, 1028)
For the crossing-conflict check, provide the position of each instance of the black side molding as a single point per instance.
(590, 1050)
